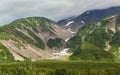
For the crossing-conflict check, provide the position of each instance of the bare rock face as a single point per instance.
(112, 24)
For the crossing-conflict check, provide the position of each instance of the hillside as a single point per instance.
(32, 37)
(98, 41)
(89, 16)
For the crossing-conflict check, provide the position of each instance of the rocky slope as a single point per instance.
(98, 41)
(33, 37)
(87, 17)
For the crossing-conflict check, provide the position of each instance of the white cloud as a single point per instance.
(52, 9)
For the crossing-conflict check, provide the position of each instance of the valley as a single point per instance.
(64, 54)
(40, 46)
(38, 38)
(60, 37)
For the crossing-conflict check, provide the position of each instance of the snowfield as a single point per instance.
(70, 22)
(63, 52)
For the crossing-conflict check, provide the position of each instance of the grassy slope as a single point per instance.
(5, 55)
(96, 37)
(90, 52)
(26, 24)
(9, 32)
(60, 68)
(31, 26)
(55, 43)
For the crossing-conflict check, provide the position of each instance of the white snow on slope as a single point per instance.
(88, 12)
(60, 54)
(70, 22)
(63, 52)
(82, 22)
(67, 39)
(70, 30)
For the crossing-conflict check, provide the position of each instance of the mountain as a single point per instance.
(32, 37)
(99, 41)
(87, 17)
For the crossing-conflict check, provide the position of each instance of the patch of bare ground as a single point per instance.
(26, 51)
(112, 24)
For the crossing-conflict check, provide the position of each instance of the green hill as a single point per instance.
(31, 37)
(97, 41)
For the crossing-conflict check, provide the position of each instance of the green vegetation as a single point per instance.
(88, 46)
(26, 39)
(90, 52)
(104, 22)
(115, 42)
(55, 43)
(92, 40)
(5, 36)
(116, 39)
(5, 55)
(29, 25)
(60, 68)
(38, 22)
(98, 38)
(75, 42)
(39, 43)
(118, 23)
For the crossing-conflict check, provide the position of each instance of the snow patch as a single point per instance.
(62, 53)
(82, 22)
(67, 39)
(73, 32)
(70, 22)
(65, 51)
(88, 12)
(70, 30)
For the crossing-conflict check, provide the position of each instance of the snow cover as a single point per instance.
(59, 54)
(82, 22)
(71, 31)
(70, 22)
(63, 52)
(88, 12)
(67, 39)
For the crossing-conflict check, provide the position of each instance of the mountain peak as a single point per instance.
(90, 16)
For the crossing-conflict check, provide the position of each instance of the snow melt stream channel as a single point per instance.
(64, 52)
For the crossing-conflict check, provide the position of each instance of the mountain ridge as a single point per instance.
(103, 34)
(29, 38)
(39, 38)
(89, 16)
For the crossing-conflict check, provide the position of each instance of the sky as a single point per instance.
(56, 10)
